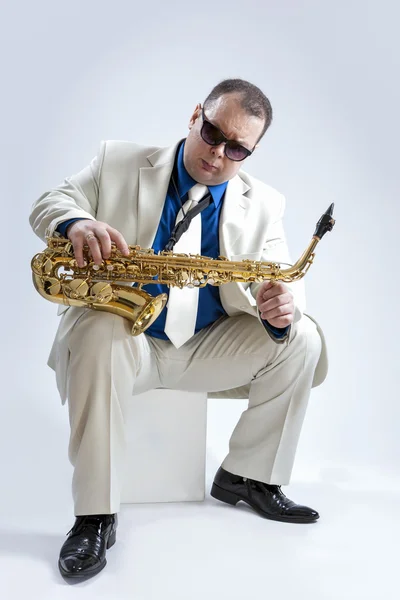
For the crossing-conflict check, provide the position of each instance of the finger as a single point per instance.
(279, 311)
(105, 242)
(275, 290)
(119, 240)
(275, 301)
(266, 285)
(280, 322)
(287, 317)
(78, 251)
(94, 248)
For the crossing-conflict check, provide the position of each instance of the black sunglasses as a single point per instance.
(214, 137)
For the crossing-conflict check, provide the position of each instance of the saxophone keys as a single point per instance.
(101, 292)
(76, 289)
(52, 286)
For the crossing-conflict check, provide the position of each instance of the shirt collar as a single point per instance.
(186, 182)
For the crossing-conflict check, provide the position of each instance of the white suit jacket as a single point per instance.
(125, 186)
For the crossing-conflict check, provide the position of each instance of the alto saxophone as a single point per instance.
(108, 287)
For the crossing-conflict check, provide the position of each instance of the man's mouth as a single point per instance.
(207, 166)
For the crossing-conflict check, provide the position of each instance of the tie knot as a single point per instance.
(197, 192)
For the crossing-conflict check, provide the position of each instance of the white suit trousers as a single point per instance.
(108, 366)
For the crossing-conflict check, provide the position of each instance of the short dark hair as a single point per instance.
(252, 99)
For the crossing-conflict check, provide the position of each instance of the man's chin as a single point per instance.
(203, 176)
(206, 178)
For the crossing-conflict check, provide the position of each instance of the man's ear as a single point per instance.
(195, 116)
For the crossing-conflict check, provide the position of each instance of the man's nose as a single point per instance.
(219, 150)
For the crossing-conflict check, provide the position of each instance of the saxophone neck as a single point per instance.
(300, 268)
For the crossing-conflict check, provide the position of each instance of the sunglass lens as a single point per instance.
(211, 135)
(236, 151)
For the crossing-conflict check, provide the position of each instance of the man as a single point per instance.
(238, 340)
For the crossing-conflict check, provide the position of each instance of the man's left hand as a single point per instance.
(275, 303)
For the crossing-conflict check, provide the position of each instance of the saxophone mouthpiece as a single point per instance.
(325, 223)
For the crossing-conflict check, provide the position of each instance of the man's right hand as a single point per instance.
(98, 236)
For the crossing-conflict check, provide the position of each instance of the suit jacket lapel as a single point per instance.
(153, 187)
(233, 216)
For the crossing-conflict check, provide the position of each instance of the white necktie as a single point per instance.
(182, 303)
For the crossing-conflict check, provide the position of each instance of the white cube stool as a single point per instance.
(166, 447)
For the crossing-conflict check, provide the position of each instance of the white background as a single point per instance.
(74, 73)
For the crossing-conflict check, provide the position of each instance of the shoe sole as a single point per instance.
(230, 498)
(82, 576)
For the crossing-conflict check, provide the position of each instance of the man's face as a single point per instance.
(208, 164)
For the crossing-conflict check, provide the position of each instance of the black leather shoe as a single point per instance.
(267, 500)
(83, 554)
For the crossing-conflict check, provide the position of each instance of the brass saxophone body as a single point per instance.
(108, 287)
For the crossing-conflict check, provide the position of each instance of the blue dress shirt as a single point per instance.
(209, 307)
